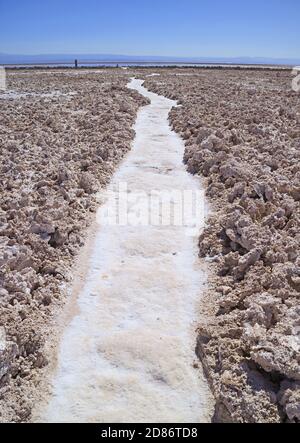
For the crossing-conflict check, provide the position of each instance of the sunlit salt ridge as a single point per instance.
(128, 354)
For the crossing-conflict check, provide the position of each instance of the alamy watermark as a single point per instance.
(2, 79)
(167, 208)
(296, 79)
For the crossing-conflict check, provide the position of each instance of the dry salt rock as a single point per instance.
(252, 177)
(47, 195)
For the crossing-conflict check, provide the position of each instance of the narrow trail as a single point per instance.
(128, 354)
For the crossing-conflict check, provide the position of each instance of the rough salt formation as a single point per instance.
(242, 133)
(62, 133)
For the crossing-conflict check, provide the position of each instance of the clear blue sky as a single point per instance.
(152, 27)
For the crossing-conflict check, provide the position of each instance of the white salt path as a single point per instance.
(128, 355)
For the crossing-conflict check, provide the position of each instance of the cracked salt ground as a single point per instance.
(127, 355)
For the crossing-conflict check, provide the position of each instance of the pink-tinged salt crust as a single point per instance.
(62, 135)
(242, 133)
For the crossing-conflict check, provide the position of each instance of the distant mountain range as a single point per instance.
(112, 58)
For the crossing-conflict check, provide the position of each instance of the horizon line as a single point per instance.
(10, 54)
